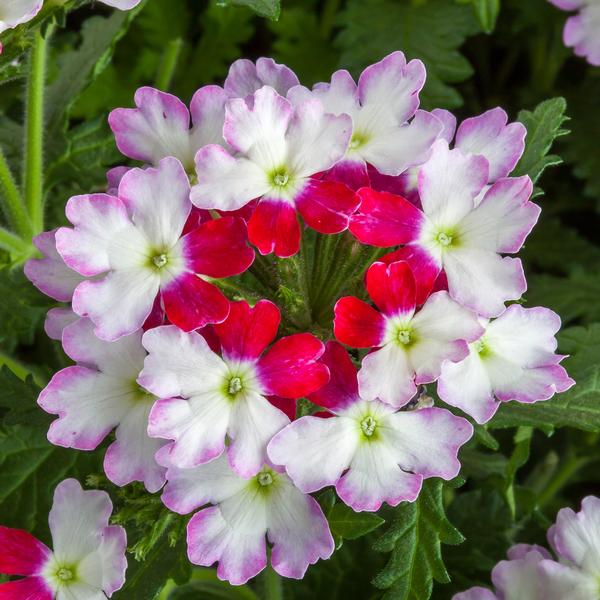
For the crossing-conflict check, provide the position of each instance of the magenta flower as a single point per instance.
(137, 243)
(371, 452)
(243, 513)
(100, 394)
(381, 106)
(210, 398)
(88, 556)
(514, 359)
(582, 31)
(275, 161)
(455, 231)
(410, 344)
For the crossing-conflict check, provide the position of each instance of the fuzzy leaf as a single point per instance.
(543, 125)
(350, 525)
(432, 31)
(486, 12)
(265, 8)
(414, 539)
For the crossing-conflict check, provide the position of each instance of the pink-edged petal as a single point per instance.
(392, 288)
(387, 375)
(291, 367)
(247, 331)
(244, 77)
(191, 303)
(298, 530)
(121, 4)
(482, 280)
(427, 441)
(385, 219)
(374, 477)
(342, 389)
(218, 248)
(449, 183)
(338, 97)
(253, 422)
(326, 206)
(581, 33)
(157, 127)
(273, 227)
(131, 456)
(207, 108)
(396, 149)
(522, 550)
(315, 452)
(226, 182)
(393, 86)
(17, 12)
(118, 304)
(113, 179)
(97, 218)
(241, 552)
(489, 134)
(540, 383)
(31, 588)
(312, 127)
(519, 577)
(158, 201)
(475, 593)
(50, 274)
(559, 581)
(56, 321)
(448, 121)
(358, 324)
(352, 173)
(504, 218)
(424, 266)
(89, 405)
(21, 553)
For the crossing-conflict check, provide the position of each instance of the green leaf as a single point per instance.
(486, 11)
(265, 8)
(432, 31)
(578, 407)
(207, 586)
(19, 398)
(414, 539)
(350, 525)
(543, 125)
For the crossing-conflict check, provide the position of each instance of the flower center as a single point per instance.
(64, 574)
(160, 260)
(444, 239)
(404, 336)
(264, 478)
(281, 179)
(357, 140)
(368, 426)
(235, 386)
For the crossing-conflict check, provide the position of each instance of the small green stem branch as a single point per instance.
(272, 587)
(561, 477)
(168, 64)
(14, 244)
(20, 370)
(34, 140)
(12, 202)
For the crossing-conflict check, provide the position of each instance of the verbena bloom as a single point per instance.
(582, 31)
(245, 77)
(368, 450)
(410, 344)
(278, 150)
(381, 105)
(517, 578)
(245, 512)
(87, 559)
(100, 394)
(455, 232)
(212, 402)
(514, 359)
(56, 321)
(159, 126)
(137, 243)
(16, 12)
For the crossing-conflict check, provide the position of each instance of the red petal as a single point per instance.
(218, 248)
(157, 316)
(392, 287)
(342, 389)
(357, 324)
(191, 302)
(248, 331)
(32, 588)
(273, 227)
(21, 553)
(351, 173)
(212, 339)
(196, 217)
(326, 206)
(400, 185)
(285, 405)
(244, 213)
(424, 268)
(291, 368)
(385, 219)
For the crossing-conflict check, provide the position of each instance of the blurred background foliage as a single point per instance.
(479, 54)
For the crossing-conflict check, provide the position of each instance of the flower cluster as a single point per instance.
(201, 389)
(530, 573)
(582, 31)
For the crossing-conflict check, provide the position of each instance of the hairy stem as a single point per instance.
(12, 202)
(168, 64)
(561, 477)
(271, 585)
(14, 244)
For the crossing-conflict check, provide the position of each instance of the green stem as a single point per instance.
(13, 205)
(271, 585)
(237, 288)
(168, 64)
(13, 244)
(20, 370)
(34, 141)
(567, 469)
